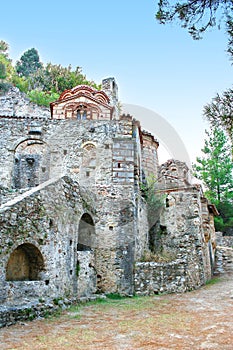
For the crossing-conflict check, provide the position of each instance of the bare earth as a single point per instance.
(202, 319)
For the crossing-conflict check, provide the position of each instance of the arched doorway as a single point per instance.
(86, 233)
(25, 263)
(32, 164)
(85, 265)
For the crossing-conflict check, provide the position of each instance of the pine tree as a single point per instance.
(215, 170)
(29, 63)
(219, 113)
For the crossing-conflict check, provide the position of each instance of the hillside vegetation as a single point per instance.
(42, 83)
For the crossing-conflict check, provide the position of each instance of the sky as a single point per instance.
(160, 68)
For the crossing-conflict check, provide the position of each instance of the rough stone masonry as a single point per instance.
(74, 207)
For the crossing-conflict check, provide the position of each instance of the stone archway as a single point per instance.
(25, 263)
(85, 266)
(89, 163)
(32, 164)
(86, 233)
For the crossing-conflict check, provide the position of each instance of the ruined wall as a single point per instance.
(150, 163)
(92, 153)
(64, 147)
(16, 104)
(224, 254)
(155, 278)
(182, 233)
(73, 217)
(101, 156)
(44, 223)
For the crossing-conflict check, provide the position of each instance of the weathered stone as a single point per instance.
(74, 219)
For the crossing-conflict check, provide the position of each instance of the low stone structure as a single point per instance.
(75, 217)
(224, 254)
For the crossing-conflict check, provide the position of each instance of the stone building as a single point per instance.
(74, 218)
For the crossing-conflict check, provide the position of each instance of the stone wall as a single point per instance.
(155, 278)
(179, 237)
(46, 220)
(73, 219)
(181, 233)
(224, 254)
(150, 163)
(16, 104)
(63, 148)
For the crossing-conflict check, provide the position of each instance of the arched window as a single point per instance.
(88, 161)
(82, 112)
(86, 233)
(25, 263)
(32, 164)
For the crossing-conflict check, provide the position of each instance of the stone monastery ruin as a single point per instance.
(74, 217)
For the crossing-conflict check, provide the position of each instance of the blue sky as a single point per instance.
(157, 67)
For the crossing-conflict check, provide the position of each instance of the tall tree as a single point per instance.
(2, 71)
(56, 78)
(215, 169)
(48, 82)
(3, 48)
(6, 68)
(219, 113)
(198, 15)
(29, 63)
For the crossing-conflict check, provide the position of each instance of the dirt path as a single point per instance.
(201, 319)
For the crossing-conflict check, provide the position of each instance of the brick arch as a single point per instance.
(81, 110)
(88, 146)
(25, 263)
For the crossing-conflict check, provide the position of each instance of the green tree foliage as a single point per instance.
(48, 82)
(57, 79)
(21, 83)
(197, 16)
(42, 83)
(215, 169)
(4, 47)
(2, 71)
(219, 113)
(155, 200)
(6, 68)
(230, 38)
(42, 98)
(29, 63)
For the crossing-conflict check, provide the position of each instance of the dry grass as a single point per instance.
(163, 257)
(196, 320)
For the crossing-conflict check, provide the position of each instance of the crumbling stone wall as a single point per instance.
(16, 104)
(73, 216)
(150, 163)
(155, 278)
(224, 254)
(47, 222)
(184, 228)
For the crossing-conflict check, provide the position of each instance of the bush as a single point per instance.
(4, 87)
(21, 83)
(42, 98)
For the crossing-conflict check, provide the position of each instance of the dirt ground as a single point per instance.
(202, 319)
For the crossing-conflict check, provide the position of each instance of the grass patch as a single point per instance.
(213, 281)
(115, 296)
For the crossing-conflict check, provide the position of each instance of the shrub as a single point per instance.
(42, 98)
